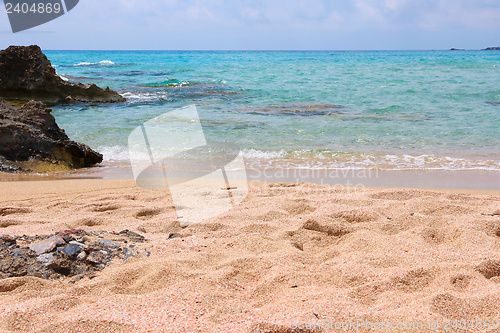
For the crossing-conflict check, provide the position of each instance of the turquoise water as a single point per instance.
(388, 110)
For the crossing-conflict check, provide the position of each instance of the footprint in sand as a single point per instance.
(354, 216)
(395, 195)
(447, 210)
(89, 222)
(460, 281)
(90, 326)
(413, 280)
(329, 229)
(104, 207)
(270, 216)
(8, 223)
(14, 210)
(147, 213)
(489, 268)
(433, 236)
(297, 207)
(453, 307)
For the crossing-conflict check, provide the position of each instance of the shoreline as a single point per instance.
(419, 179)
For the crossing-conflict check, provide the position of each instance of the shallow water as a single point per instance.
(388, 110)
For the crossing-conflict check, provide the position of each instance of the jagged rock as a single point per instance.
(30, 133)
(26, 74)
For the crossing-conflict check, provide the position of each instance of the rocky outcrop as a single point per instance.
(30, 139)
(495, 48)
(26, 74)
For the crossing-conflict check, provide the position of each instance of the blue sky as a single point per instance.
(267, 25)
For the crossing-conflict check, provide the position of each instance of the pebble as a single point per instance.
(18, 253)
(69, 232)
(71, 249)
(174, 235)
(67, 238)
(46, 258)
(76, 278)
(47, 245)
(132, 235)
(8, 239)
(108, 243)
(67, 253)
(79, 244)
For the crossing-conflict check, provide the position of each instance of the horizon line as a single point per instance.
(269, 50)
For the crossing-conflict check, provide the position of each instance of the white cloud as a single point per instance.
(233, 24)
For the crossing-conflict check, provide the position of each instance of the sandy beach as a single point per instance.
(289, 258)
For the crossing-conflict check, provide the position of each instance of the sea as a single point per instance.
(383, 110)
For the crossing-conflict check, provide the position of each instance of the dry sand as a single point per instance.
(302, 252)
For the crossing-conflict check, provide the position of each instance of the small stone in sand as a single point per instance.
(108, 243)
(47, 245)
(71, 249)
(174, 235)
(46, 258)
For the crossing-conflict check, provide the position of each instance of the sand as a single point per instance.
(290, 255)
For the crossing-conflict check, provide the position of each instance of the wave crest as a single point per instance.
(103, 63)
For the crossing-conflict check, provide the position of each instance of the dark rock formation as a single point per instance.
(30, 137)
(495, 48)
(454, 49)
(26, 74)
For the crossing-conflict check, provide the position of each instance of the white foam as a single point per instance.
(105, 63)
(304, 159)
(135, 97)
(260, 154)
(114, 153)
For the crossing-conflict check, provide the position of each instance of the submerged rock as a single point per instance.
(26, 74)
(30, 139)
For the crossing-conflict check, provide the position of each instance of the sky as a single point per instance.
(266, 25)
